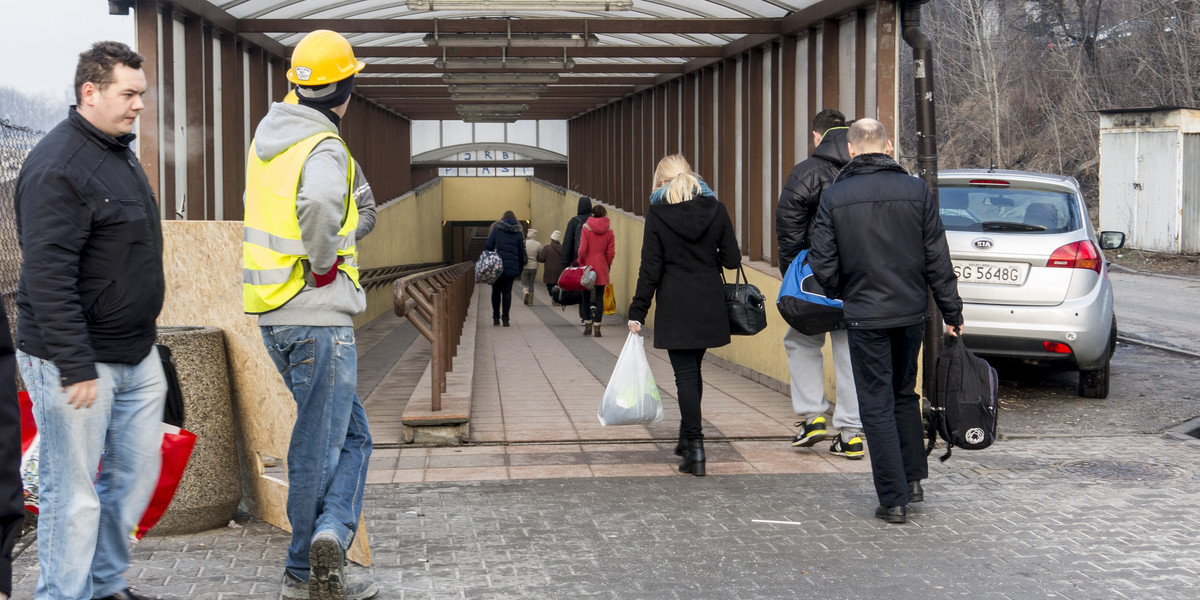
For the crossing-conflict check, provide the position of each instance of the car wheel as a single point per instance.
(1094, 383)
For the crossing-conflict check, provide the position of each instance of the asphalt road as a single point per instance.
(1158, 309)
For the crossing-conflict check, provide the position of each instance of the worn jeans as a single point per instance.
(885, 373)
(331, 444)
(85, 519)
(807, 367)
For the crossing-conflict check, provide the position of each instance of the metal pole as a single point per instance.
(927, 159)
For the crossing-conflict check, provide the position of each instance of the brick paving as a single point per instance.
(545, 503)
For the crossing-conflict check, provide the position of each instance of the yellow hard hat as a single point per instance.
(321, 58)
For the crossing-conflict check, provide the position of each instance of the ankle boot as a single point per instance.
(596, 330)
(587, 328)
(681, 446)
(693, 458)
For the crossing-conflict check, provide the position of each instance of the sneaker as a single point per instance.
(852, 449)
(326, 575)
(811, 432)
(358, 587)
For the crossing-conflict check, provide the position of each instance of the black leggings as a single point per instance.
(689, 387)
(502, 293)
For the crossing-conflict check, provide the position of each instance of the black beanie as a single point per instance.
(325, 96)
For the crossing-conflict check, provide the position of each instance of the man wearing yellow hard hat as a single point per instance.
(300, 276)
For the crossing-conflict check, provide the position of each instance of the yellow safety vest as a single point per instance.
(272, 251)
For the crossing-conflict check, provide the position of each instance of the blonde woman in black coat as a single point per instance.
(688, 238)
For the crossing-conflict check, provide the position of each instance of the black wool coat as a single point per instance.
(506, 239)
(683, 249)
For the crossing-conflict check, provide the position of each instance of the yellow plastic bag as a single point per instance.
(610, 302)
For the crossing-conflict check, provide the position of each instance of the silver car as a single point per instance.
(1031, 270)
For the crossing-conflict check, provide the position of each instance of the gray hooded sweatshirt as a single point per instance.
(320, 205)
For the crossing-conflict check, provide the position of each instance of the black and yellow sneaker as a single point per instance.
(811, 432)
(852, 449)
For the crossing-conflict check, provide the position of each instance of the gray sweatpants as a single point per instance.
(807, 368)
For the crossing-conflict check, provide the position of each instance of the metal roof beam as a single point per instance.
(588, 52)
(579, 68)
(606, 25)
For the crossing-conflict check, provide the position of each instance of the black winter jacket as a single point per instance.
(506, 239)
(878, 243)
(571, 237)
(684, 247)
(92, 278)
(802, 192)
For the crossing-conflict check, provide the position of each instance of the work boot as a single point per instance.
(326, 576)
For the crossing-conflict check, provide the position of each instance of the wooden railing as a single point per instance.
(436, 303)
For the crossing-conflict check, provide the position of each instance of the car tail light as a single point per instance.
(1077, 255)
(994, 182)
(1056, 347)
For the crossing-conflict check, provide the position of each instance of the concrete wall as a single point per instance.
(484, 198)
(408, 230)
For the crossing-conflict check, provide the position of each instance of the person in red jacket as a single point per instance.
(597, 248)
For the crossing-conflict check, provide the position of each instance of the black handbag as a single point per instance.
(745, 305)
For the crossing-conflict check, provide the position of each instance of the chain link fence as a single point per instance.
(15, 143)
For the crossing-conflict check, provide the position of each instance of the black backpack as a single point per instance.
(965, 402)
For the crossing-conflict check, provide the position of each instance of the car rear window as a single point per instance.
(1007, 209)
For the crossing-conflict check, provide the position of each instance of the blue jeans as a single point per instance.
(331, 445)
(85, 519)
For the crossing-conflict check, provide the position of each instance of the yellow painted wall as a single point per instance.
(408, 230)
(484, 198)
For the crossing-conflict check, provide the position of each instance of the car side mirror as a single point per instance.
(1111, 240)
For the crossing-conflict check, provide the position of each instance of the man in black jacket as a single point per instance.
(793, 226)
(879, 245)
(90, 291)
(570, 247)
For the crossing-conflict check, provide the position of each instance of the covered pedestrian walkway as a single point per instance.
(536, 389)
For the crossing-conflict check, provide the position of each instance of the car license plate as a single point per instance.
(990, 272)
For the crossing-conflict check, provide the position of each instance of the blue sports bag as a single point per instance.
(804, 305)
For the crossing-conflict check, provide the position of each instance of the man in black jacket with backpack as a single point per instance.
(879, 245)
(570, 249)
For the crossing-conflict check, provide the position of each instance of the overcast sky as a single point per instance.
(42, 40)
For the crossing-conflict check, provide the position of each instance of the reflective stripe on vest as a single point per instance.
(273, 254)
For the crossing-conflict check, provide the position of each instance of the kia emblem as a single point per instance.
(983, 244)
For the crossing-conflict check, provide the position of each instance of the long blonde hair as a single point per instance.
(675, 172)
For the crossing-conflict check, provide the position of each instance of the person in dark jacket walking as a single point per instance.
(597, 249)
(12, 498)
(793, 227)
(879, 244)
(90, 291)
(506, 239)
(571, 239)
(688, 239)
(551, 256)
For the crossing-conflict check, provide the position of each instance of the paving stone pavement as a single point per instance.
(1028, 518)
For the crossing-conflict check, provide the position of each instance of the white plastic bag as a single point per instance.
(631, 397)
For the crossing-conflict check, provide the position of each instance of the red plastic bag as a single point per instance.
(177, 448)
(29, 453)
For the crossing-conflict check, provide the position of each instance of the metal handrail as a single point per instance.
(436, 303)
(375, 277)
